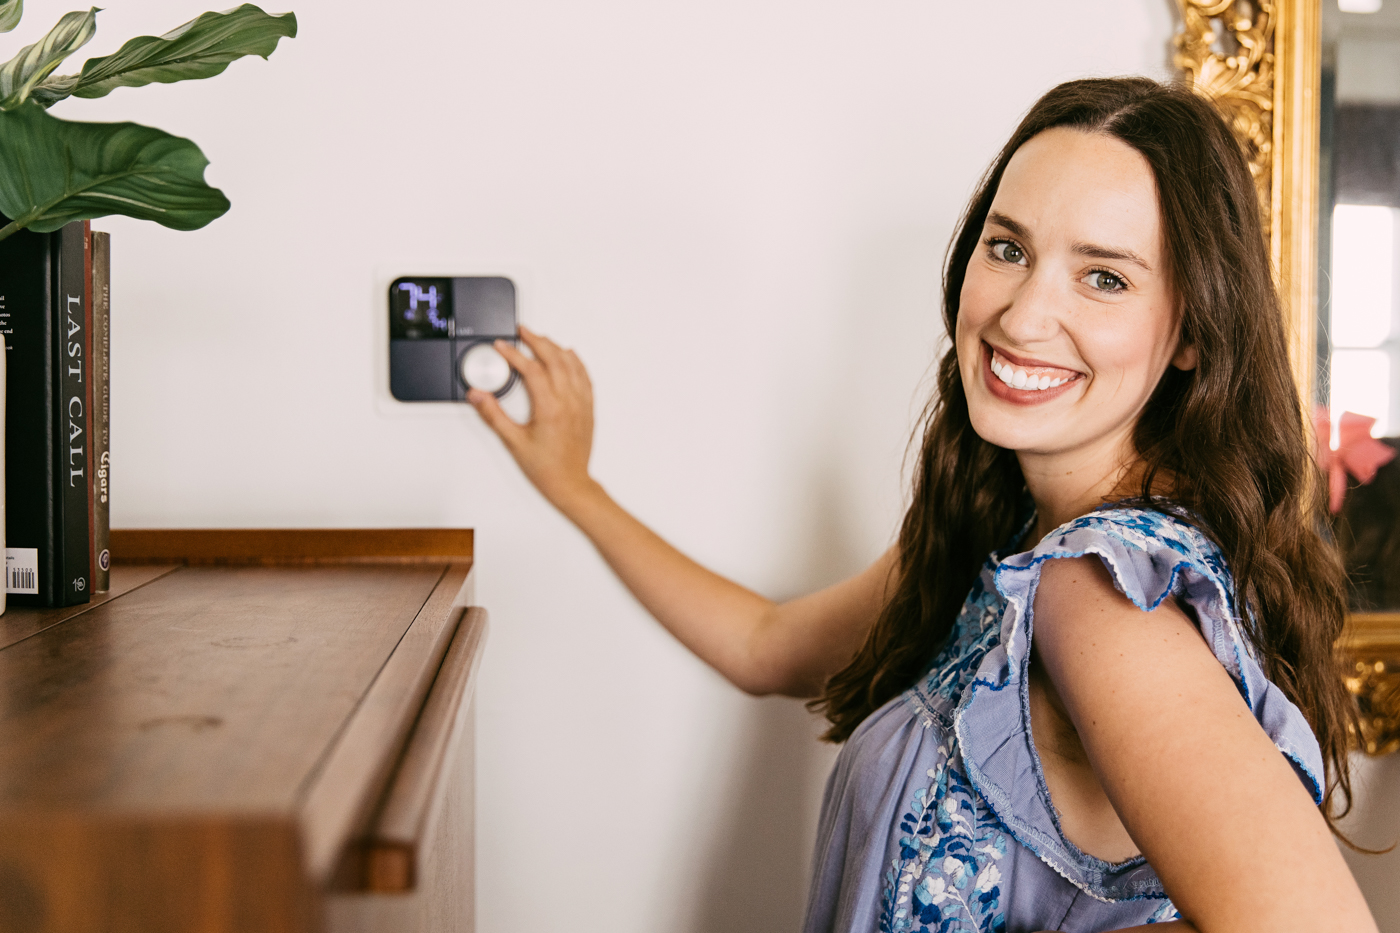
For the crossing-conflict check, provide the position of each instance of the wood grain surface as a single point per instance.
(195, 750)
(209, 688)
(443, 897)
(19, 622)
(290, 545)
(397, 843)
(109, 873)
(348, 785)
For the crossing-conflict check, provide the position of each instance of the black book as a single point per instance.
(43, 291)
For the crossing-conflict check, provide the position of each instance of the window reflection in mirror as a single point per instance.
(1358, 293)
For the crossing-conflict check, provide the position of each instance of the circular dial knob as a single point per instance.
(485, 369)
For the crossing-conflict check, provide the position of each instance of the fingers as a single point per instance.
(542, 386)
(552, 447)
(559, 369)
(554, 357)
(532, 371)
(544, 349)
(575, 368)
(563, 364)
(489, 408)
(544, 359)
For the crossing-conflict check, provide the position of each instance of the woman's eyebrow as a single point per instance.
(1110, 252)
(1014, 226)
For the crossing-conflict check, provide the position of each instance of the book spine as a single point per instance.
(26, 293)
(3, 353)
(71, 429)
(89, 410)
(101, 410)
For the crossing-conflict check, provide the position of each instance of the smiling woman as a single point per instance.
(1092, 685)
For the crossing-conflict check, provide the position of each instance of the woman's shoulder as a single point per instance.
(1152, 554)
(1151, 551)
(1137, 525)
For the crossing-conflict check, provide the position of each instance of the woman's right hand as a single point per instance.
(760, 646)
(552, 448)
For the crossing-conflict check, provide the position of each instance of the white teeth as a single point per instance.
(1020, 379)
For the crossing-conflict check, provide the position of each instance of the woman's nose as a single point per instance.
(1033, 314)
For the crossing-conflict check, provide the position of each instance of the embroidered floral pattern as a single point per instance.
(946, 878)
(973, 634)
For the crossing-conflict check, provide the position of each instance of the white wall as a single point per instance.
(736, 211)
(1374, 823)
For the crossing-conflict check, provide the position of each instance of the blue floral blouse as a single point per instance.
(936, 817)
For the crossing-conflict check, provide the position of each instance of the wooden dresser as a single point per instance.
(260, 731)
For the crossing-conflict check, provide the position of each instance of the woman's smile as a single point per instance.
(1024, 381)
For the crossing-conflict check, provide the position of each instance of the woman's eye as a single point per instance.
(1105, 281)
(1007, 251)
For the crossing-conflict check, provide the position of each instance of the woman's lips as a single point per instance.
(1019, 382)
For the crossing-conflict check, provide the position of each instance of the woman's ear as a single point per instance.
(1185, 356)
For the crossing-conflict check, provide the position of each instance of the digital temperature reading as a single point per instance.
(428, 300)
(441, 336)
(421, 308)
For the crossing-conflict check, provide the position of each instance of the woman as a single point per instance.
(1127, 713)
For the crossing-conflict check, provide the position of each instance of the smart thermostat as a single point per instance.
(441, 333)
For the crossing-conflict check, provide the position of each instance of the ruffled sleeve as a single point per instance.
(1150, 556)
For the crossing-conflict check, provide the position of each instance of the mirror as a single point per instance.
(1312, 91)
(1358, 303)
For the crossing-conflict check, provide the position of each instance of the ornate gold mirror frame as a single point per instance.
(1260, 62)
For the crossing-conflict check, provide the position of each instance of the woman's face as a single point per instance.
(1067, 319)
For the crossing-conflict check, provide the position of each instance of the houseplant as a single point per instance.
(55, 171)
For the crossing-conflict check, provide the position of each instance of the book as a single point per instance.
(89, 348)
(3, 574)
(43, 279)
(101, 355)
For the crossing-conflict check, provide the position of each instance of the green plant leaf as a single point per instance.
(200, 48)
(10, 12)
(54, 171)
(53, 89)
(35, 62)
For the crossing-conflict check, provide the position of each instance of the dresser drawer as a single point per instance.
(253, 731)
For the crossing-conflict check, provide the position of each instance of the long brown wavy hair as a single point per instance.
(1226, 438)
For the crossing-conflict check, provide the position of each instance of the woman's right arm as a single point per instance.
(759, 645)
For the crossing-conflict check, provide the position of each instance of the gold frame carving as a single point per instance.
(1260, 62)
(1226, 55)
(1370, 649)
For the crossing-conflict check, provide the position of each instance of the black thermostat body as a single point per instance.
(435, 322)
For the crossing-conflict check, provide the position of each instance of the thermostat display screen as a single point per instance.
(420, 308)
